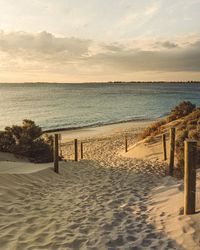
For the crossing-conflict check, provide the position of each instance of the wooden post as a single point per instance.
(59, 143)
(56, 163)
(81, 150)
(59, 137)
(190, 161)
(75, 149)
(164, 147)
(126, 144)
(172, 149)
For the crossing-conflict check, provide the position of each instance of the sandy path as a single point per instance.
(100, 203)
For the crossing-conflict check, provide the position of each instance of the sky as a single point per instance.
(96, 40)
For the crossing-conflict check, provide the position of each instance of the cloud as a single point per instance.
(139, 16)
(152, 9)
(45, 53)
(42, 45)
(179, 59)
(167, 45)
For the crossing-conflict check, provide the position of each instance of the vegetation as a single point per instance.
(189, 128)
(27, 141)
(182, 110)
(186, 118)
(153, 129)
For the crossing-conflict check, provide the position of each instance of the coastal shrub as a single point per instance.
(187, 127)
(198, 127)
(181, 136)
(41, 151)
(183, 109)
(181, 126)
(153, 129)
(28, 141)
(192, 122)
(7, 142)
(194, 134)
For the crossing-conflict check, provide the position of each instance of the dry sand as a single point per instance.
(166, 199)
(105, 201)
(147, 150)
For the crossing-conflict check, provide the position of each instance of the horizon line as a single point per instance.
(42, 82)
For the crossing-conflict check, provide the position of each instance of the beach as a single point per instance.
(99, 125)
(108, 200)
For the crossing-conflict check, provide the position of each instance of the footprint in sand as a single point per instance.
(131, 238)
(146, 243)
(116, 242)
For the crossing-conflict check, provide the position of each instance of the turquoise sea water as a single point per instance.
(77, 105)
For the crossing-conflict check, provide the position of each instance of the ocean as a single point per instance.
(54, 106)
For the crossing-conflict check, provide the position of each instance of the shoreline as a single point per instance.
(104, 130)
(94, 126)
(97, 125)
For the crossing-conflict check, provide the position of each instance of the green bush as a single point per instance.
(28, 141)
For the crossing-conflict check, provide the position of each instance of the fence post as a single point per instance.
(190, 160)
(126, 144)
(81, 150)
(56, 163)
(75, 149)
(172, 149)
(164, 147)
(59, 143)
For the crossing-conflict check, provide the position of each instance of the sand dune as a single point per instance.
(103, 202)
(85, 207)
(166, 199)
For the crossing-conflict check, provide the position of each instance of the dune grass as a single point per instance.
(186, 118)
